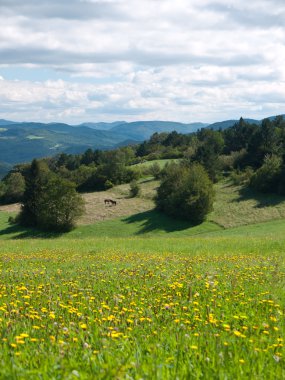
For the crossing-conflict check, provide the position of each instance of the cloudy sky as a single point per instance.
(106, 60)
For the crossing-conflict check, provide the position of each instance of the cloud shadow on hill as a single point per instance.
(153, 220)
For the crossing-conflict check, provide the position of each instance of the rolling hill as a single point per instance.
(139, 130)
(229, 123)
(23, 141)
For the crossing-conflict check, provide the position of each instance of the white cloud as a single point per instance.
(183, 60)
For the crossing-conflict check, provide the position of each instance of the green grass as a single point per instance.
(146, 297)
(156, 308)
(236, 206)
(161, 163)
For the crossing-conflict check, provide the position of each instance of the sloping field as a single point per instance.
(236, 206)
(136, 308)
(96, 210)
(143, 296)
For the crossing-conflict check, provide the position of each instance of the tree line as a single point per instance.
(251, 154)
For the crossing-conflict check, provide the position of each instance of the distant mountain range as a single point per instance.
(229, 123)
(23, 141)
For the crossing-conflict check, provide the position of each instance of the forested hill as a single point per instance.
(250, 153)
(21, 142)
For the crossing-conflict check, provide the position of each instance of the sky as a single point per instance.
(79, 61)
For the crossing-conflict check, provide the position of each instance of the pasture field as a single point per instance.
(161, 163)
(142, 296)
(208, 307)
(234, 206)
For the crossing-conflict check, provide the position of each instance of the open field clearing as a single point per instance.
(138, 295)
(96, 210)
(234, 206)
(161, 163)
(197, 310)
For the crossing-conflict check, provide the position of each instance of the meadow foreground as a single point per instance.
(143, 296)
(133, 309)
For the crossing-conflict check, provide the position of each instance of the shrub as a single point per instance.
(13, 188)
(242, 177)
(266, 178)
(59, 206)
(155, 170)
(108, 185)
(186, 192)
(50, 202)
(134, 189)
(232, 160)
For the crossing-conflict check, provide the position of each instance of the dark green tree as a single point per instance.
(134, 189)
(266, 179)
(14, 185)
(50, 202)
(207, 154)
(185, 192)
(59, 206)
(36, 180)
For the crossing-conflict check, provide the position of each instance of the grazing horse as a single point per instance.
(110, 202)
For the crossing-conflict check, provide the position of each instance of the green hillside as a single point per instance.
(236, 211)
(21, 142)
(25, 141)
(141, 295)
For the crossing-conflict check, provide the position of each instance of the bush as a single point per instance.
(50, 202)
(13, 188)
(242, 177)
(59, 206)
(232, 160)
(155, 170)
(134, 189)
(266, 178)
(108, 185)
(281, 182)
(186, 192)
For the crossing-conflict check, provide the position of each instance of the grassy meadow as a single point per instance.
(136, 295)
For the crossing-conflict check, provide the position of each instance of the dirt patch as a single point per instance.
(15, 207)
(96, 210)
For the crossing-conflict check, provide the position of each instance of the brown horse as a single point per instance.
(110, 202)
